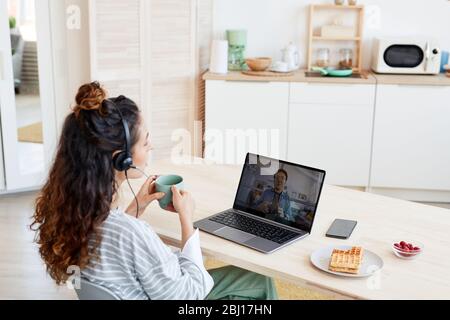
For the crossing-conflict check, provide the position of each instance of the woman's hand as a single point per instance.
(145, 196)
(183, 204)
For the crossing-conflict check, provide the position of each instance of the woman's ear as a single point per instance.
(115, 153)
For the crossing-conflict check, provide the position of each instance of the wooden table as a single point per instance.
(381, 220)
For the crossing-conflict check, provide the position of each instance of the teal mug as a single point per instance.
(164, 184)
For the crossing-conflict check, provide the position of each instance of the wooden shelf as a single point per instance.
(359, 10)
(335, 6)
(336, 38)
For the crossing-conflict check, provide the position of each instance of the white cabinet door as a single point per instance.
(332, 93)
(411, 147)
(243, 117)
(332, 132)
(335, 138)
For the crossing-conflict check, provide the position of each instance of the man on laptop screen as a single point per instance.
(289, 196)
(275, 205)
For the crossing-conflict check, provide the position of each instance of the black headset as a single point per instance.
(122, 161)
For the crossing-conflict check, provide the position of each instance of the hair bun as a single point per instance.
(90, 96)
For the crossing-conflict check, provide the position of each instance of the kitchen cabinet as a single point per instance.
(330, 127)
(411, 144)
(390, 136)
(245, 116)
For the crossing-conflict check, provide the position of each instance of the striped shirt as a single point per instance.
(135, 264)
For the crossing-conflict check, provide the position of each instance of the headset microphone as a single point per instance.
(140, 170)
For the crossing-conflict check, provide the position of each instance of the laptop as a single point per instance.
(275, 205)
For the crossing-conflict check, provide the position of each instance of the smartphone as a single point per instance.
(341, 229)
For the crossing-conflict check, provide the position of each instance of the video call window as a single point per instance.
(279, 191)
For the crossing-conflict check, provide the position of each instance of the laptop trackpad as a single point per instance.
(234, 234)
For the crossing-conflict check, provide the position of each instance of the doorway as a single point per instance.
(26, 93)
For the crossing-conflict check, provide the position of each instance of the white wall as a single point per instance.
(271, 24)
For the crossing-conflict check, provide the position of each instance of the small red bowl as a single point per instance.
(407, 253)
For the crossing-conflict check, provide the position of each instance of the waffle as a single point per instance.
(347, 261)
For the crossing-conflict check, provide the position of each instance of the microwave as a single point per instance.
(406, 55)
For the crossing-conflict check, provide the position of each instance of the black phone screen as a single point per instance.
(341, 228)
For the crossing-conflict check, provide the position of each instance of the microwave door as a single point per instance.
(404, 56)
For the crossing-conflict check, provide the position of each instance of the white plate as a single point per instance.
(279, 70)
(371, 262)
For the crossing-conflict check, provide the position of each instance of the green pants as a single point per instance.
(233, 283)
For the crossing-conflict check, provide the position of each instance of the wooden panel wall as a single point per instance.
(172, 64)
(116, 46)
(154, 51)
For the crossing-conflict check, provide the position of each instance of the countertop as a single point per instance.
(368, 78)
(413, 79)
(297, 76)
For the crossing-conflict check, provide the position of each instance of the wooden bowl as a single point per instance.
(259, 63)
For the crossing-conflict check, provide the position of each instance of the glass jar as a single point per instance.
(237, 41)
(346, 58)
(323, 57)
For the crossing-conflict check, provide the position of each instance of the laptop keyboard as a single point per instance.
(253, 226)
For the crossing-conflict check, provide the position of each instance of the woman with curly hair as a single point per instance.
(77, 224)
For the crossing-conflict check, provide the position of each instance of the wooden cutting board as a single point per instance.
(267, 73)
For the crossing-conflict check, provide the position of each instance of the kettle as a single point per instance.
(291, 57)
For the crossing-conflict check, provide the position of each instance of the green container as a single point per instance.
(237, 41)
(237, 37)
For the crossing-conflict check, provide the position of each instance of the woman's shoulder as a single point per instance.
(123, 224)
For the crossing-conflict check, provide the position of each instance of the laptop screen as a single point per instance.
(281, 191)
